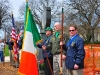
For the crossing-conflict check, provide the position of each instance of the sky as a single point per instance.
(15, 6)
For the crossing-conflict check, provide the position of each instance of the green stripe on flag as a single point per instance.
(31, 27)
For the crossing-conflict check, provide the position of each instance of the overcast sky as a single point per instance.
(15, 6)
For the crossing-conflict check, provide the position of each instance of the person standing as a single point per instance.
(20, 40)
(10, 44)
(47, 55)
(1, 51)
(55, 46)
(75, 53)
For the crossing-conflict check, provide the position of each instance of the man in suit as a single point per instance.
(75, 52)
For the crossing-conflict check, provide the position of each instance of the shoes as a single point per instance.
(11, 65)
(15, 66)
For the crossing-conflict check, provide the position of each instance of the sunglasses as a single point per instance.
(71, 30)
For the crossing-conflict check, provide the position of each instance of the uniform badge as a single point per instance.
(73, 44)
(53, 39)
(68, 47)
(59, 36)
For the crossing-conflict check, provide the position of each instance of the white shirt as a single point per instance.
(1, 46)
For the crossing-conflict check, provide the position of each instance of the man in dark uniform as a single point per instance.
(75, 53)
(55, 46)
(47, 55)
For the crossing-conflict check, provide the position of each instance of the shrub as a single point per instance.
(41, 65)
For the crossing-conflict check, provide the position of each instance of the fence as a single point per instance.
(92, 59)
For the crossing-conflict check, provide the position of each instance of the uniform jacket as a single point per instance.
(20, 42)
(75, 53)
(10, 44)
(46, 52)
(55, 43)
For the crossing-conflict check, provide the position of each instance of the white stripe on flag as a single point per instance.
(28, 45)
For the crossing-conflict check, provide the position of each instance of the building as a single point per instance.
(97, 34)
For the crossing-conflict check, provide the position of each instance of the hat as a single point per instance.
(48, 29)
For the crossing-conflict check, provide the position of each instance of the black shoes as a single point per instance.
(15, 66)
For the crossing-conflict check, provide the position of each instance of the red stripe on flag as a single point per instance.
(15, 51)
(28, 65)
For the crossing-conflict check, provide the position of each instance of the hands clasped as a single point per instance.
(44, 47)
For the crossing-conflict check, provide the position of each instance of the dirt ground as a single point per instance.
(6, 69)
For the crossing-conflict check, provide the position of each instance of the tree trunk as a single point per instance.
(92, 34)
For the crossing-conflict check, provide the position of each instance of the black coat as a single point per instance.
(10, 44)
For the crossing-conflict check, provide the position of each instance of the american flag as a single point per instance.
(18, 38)
(14, 38)
(21, 30)
(13, 33)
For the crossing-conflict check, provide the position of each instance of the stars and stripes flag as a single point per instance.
(18, 38)
(13, 33)
(14, 38)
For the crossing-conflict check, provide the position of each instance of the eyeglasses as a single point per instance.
(71, 30)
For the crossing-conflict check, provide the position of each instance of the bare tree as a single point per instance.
(38, 6)
(4, 12)
(18, 25)
(85, 13)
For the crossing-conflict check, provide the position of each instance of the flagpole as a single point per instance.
(49, 63)
(61, 38)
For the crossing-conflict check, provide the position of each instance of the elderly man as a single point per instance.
(55, 46)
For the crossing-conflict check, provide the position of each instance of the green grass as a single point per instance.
(6, 52)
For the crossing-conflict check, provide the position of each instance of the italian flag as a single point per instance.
(28, 62)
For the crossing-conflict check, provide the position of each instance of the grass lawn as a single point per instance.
(6, 51)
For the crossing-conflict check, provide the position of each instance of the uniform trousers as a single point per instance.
(48, 64)
(11, 58)
(75, 72)
(57, 63)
